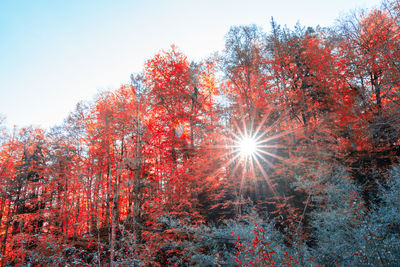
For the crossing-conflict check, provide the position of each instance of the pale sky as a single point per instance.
(55, 53)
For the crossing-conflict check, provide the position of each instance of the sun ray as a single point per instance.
(237, 136)
(271, 155)
(265, 160)
(260, 125)
(271, 146)
(234, 170)
(253, 172)
(251, 151)
(213, 147)
(266, 178)
(241, 187)
(230, 162)
(273, 137)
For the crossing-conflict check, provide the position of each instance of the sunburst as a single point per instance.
(247, 146)
(253, 150)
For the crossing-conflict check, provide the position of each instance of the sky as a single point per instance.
(56, 53)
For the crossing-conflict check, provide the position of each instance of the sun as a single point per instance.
(247, 146)
(253, 148)
(251, 151)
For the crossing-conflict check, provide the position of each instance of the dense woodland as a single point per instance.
(149, 174)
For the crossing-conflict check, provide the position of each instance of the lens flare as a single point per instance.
(251, 152)
(247, 146)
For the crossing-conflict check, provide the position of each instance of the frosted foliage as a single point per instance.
(349, 234)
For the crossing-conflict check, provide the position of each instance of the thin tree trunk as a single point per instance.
(114, 217)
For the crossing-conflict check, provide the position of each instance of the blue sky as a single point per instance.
(56, 53)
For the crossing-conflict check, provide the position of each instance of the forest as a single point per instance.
(280, 150)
